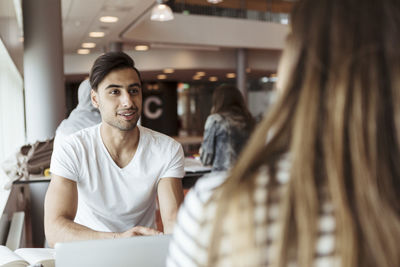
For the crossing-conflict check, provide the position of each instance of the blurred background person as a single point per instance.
(226, 129)
(83, 116)
(324, 190)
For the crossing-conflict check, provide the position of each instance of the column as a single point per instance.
(241, 65)
(44, 87)
(43, 68)
(115, 47)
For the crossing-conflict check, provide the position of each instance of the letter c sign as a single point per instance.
(152, 114)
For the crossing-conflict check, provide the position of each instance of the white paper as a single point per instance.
(45, 256)
(9, 258)
(195, 165)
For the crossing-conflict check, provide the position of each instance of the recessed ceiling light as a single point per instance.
(214, 1)
(196, 77)
(200, 73)
(213, 79)
(230, 75)
(96, 34)
(141, 47)
(161, 76)
(168, 70)
(109, 19)
(83, 51)
(88, 45)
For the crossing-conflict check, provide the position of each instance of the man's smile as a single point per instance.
(127, 114)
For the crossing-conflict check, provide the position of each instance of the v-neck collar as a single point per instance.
(104, 148)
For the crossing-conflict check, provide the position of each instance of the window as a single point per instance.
(12, 115)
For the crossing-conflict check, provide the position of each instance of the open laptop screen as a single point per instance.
(134, 251)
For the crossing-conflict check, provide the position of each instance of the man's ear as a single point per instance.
(93, 97)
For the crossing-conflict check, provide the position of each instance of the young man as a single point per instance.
(105, 178)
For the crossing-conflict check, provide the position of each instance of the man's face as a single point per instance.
(119, 99)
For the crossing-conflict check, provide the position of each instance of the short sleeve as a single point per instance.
(176, 165)
(64, 160)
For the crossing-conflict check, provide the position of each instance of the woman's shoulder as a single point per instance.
(188, 246)
(206, 185)
(215, 117)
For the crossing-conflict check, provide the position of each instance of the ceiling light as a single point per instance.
(214, 1)
(230, 75)
(169, 70)
(200, 73)
(88, 45)
(108, 19)
(213, 79)
(161, 76)
(161, 12)
(196, 77)
(141, 47)
(83, 51)
(96, 34)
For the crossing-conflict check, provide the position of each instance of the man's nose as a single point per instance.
(126, 99)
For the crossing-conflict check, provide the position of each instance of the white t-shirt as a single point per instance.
(110, 198)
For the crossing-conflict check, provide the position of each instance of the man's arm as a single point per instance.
(61, 204)
(170, 197)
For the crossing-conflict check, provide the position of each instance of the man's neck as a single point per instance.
(121, 145)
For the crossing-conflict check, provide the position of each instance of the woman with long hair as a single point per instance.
(323, 189)
(226, 129)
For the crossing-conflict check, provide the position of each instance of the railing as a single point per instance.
(218, 11)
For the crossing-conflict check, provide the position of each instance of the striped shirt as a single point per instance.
(190, 241)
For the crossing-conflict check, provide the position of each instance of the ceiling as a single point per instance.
(82, 17)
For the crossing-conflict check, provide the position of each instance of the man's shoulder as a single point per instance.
(82, 137)
(157, 137)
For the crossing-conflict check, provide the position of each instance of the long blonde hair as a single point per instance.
(338, 117)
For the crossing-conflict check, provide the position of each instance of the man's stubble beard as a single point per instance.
(117, 124)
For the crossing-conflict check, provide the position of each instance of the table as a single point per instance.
(188, 180)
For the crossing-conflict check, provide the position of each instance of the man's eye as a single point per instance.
(134, 91)
(114, 92)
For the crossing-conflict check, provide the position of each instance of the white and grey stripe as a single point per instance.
(192, 232)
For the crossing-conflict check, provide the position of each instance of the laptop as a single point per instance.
(147, 251)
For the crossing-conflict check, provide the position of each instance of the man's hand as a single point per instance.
(138, 230)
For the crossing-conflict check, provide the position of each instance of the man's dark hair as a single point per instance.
(107, 63)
